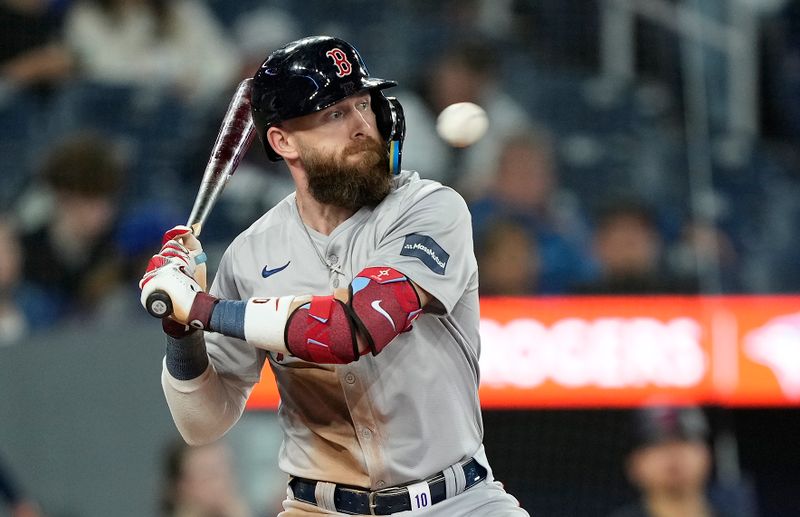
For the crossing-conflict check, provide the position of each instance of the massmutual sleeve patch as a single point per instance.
(427, 250)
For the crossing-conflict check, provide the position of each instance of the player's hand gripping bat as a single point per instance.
(233, 140)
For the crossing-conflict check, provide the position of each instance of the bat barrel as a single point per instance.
(234, 138)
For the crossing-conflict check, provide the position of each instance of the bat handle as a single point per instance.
(159, 304)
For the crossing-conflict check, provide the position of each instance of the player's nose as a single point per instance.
(361, 124)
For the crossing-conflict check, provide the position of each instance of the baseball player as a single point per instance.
(361, 291)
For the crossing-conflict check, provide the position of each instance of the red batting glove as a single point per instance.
(180, 240)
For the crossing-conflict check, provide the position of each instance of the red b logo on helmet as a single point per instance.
(341, 62)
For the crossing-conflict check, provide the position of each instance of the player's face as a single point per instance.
(207, 481)
(345, 160)
(675, 467)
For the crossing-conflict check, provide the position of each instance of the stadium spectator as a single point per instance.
(22, 307)
(524, 188)
(261, 30)
(200, 482)
(705, 251)
(13, 323)
(31, 51)
(463, 72)
(670, 464)
(508, 260)
(16, 502)
(70, 255)
(781, 74)
(629, 249)
(137, 230)
(175, 44)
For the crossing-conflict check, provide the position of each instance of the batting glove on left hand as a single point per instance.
(190, 305)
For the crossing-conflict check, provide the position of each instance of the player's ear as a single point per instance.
(282, 143)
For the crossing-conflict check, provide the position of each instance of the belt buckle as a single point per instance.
(371, 501)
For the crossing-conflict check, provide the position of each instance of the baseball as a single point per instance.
(462, 124)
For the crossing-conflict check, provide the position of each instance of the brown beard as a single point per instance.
(332, 181)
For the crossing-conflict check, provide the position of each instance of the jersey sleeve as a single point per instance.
(430, 241)
(231, 356)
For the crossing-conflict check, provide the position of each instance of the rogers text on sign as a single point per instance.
(605, 352)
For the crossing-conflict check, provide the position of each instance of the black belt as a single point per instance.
(357, 501)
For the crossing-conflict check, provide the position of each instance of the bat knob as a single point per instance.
(159, 305)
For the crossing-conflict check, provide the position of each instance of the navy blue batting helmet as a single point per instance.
(311, 74)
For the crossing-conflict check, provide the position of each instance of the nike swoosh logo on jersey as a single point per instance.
(377, 306)
(269, 272)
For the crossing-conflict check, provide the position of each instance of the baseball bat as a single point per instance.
(234, 138)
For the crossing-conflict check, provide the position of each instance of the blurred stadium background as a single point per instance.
(692, 107)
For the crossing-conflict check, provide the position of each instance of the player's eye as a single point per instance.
(363, 105)
(336, 114)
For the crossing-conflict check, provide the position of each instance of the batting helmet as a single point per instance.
(311, 74)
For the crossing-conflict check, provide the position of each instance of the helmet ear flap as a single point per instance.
(262, 136)
(391, 125)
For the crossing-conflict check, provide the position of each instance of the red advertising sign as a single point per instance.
(626, 351)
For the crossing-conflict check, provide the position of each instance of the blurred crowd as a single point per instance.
(108, 110)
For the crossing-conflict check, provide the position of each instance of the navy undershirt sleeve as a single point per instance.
(186, 356)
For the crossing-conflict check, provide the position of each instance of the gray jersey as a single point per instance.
(383, 420)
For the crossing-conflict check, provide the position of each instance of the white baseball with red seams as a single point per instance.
(462, 124)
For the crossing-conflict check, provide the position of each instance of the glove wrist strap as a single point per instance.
(200, 313)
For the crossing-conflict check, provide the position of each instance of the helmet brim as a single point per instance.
(370, 83)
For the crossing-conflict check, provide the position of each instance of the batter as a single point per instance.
(360, 290)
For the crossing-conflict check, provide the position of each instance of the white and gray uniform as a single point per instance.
(385, 420)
